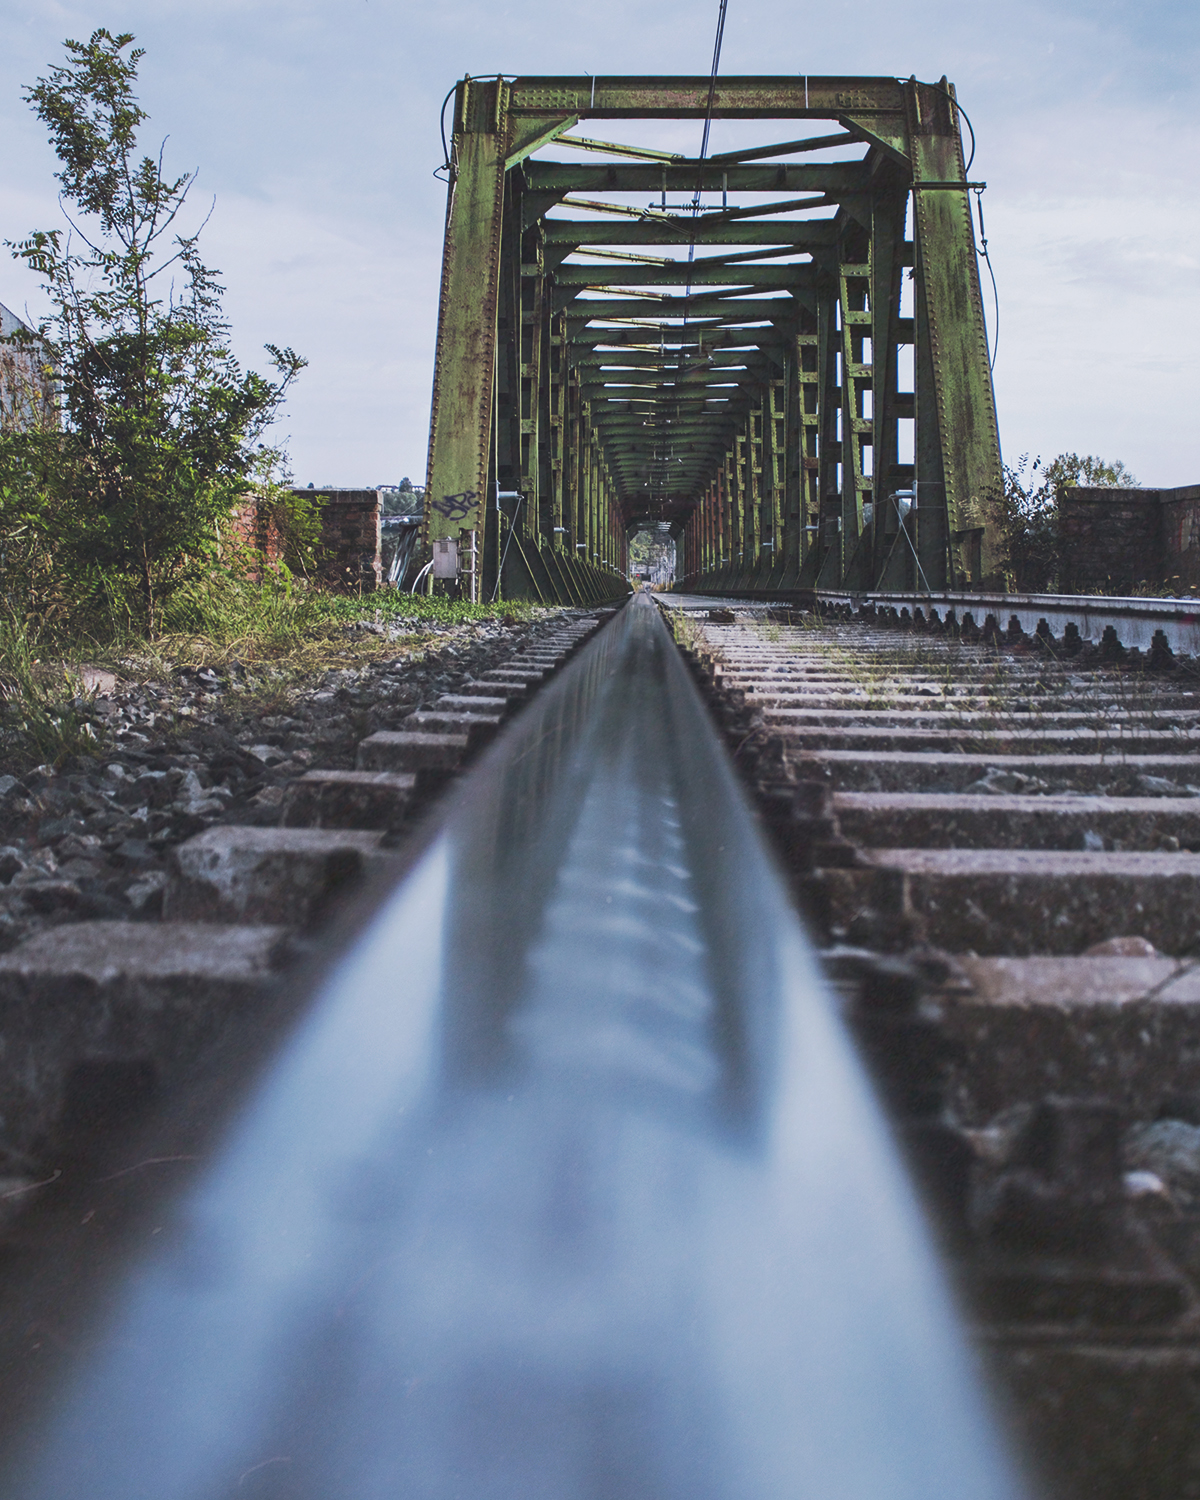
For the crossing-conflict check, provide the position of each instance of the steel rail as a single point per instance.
(1134, 620)
(568, 1183)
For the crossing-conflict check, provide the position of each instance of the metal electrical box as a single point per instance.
(445, 558)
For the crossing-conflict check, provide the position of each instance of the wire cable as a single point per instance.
(445, 166)
(987, 260)
(712, 94)
(983, 244)
(442, 117)
(695, 204)
(512, 527)
(966, 117)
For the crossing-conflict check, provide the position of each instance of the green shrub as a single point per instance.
(39, 720)
(160, 427)
(1030, 513)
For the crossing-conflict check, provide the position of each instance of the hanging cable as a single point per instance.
(695, 204)
(967, 119)
(712, 93)
(911, 548)
(445, 166)
(987, 260)
(446, 162)
(512, 527)
(708, 112)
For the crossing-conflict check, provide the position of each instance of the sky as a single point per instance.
(313, 127)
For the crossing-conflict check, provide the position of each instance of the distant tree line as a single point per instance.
(407, 499)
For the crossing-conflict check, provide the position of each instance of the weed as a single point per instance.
(683, 628)
(40, 717)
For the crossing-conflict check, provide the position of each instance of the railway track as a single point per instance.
(995, 849)
(566, 1181)
(108, 1024)
(335, 827)
(997, 845)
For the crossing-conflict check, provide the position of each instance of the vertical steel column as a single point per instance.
(775, 453)
(737, 529)
(807, 396)
(606, 532)
(506, 468)
(556, 422)
(932, 526)
(793, 471)
(961, 404)
(829, 446)
(725, 543)
(754, 476)
(462, 411)
(745, 501)
(855, 276)
(593, 552)
(584, 552)
(530, 372)
(887, 270)
(571, 461)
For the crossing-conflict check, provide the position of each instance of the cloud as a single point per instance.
(1094, 232)
(314, 124)
(354, 297)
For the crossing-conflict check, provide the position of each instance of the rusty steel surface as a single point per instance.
(717, 343)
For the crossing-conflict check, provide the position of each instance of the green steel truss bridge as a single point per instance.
(779, 350)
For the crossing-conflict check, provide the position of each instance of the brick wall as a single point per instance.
(350, 536)
(1114, 541)
(1181, 536)
(252, 529)
(1111, 540)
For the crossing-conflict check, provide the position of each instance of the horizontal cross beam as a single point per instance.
(785, 96)
(804, 234)
(832, 178)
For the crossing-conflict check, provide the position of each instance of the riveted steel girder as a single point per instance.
(628, 334)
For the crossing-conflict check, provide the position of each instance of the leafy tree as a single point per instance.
(160, 425)
(1030, 511)
(292, 515)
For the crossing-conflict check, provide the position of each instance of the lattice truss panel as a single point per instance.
(779, 351)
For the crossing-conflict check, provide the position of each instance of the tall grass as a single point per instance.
(282, 613)
(40, 721)
(285, 626)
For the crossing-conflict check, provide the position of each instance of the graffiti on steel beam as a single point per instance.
(455, 507)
